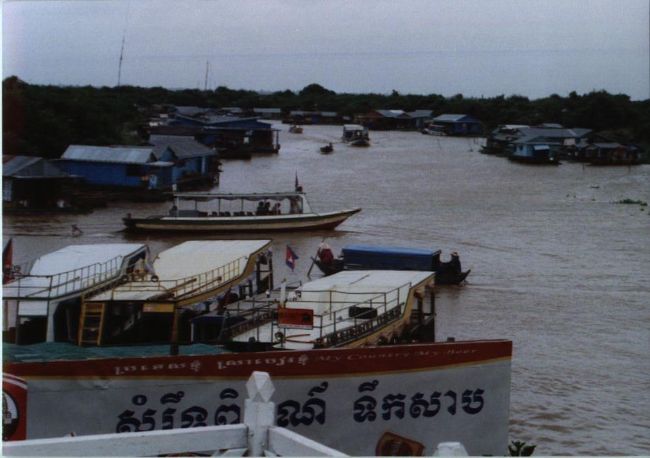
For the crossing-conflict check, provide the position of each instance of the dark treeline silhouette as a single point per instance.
(43, 120)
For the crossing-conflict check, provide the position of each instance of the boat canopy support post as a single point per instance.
(432, 296)
(173, 347)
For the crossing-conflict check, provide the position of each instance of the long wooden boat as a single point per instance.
(365, 257)
(239, 213)
(363, 401)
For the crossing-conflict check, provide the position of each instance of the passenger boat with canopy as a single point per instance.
(256, 212)
(205, 292)
(42, 298)
(364, 257)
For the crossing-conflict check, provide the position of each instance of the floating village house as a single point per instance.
(194, 163)
(395, 119)
(312, 117)
(519, 139)
(35, 183)
(612, 153)
(143, 167)
(268, 113)
(458, 124)
(230, 134)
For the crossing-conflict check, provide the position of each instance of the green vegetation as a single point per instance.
(44, 120)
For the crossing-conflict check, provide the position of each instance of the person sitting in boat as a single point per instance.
(173, 211)
(325, 254)
(454, 263)
(267, 208)
(260, 208)
(276, 208)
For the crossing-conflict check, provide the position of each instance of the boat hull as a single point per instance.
(240, 223)
(343, 398)
(534, 160)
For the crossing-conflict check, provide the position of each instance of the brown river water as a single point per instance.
(558, 266)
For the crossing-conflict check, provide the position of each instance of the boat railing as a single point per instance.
(65, 283)
(189, 286)
(350, 319)
(254, 316)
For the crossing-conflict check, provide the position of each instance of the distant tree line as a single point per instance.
(43, 120)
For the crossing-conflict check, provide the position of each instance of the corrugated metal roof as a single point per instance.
(184, 147)
(111, 154)
(533, 133)
(31, 167)
(420, 113)
(607, 145)
(452, 117)
(190, 110)
(267, 110)
(391, 113)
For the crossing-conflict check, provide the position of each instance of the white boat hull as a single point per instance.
(295, 222)
(344, 398)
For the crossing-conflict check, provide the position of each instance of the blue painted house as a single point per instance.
(166, 162)
(228, 133)
(120, 166)
(458, 124)
(192, 160)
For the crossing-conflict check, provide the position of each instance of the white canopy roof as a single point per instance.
(192, 265)
(70, 270)
(356, 286)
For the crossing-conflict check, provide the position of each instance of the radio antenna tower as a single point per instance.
(207, 72)
(119, 66)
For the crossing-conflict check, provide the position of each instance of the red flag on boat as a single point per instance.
(290, 258)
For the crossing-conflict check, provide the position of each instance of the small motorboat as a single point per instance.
(360, 142)
(295, 129)
(327, 149)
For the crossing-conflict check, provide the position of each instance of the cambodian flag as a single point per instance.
(290, 258)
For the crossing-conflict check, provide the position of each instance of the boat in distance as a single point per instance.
(251, 212)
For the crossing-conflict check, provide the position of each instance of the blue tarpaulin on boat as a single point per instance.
(381, 257)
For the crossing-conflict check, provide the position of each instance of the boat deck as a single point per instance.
(60, 351)
(344, 306)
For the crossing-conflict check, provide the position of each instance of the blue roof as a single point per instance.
(111, 154)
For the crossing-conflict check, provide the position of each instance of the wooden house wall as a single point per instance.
(124, 175)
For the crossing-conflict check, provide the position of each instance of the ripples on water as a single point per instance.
(557, 266)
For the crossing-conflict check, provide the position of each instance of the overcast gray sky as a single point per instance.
(474, 47)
